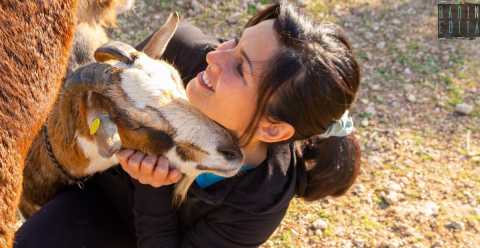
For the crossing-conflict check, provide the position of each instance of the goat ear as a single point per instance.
(115, 50)
(159, 41)
(106, 135)
(101, 126)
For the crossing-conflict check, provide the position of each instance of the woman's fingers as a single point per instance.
(134, 163)
(123, 157)
(147, 169)
(147, 165)
(174, 176)
(159, 175)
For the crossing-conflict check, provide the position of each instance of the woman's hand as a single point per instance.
(147, 169)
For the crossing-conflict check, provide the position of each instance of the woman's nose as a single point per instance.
(217, 59)
(221, 52)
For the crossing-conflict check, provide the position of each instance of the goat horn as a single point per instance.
(115, 50)
(159, 40)
(94, 77)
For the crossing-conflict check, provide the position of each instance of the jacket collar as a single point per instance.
(266, 188)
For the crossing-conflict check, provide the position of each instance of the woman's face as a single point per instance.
(227, 90)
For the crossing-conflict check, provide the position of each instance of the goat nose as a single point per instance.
(230, 153)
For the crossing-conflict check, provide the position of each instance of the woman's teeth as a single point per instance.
(206, 81)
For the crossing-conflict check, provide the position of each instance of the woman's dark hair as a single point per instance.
(309, 84)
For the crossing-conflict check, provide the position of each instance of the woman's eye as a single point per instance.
(239, 66)
(239, 69)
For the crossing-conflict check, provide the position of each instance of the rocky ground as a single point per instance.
(417, 118)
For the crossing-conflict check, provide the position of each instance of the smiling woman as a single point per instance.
(226, 91)
(284, 87)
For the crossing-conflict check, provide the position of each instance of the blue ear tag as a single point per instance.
(206, 179)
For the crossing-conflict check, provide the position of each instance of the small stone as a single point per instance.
(364, 122)
(358, 189)
(392, 243)
(359, 243)
(455, 226)
(464, 108)
(437, 244)
(405, 230)
(301, 3)
(396, 21)
(371, 109)
(407, 71)
(381, 45)
(411, 98)
(320, 224)
(418, 246)
(391, 197)
(375, 86)
(191, 12)
(430, 209)
(318, 232)
(364, 100)
(469, 197)
(346, 244)
(408, 87)
(476, 211)
(393, 186)
(197, 7)
(340, 231)
(233, 19)
(375, 160)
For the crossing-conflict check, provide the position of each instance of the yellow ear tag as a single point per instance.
(94, 126)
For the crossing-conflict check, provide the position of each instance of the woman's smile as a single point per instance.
(204, 81)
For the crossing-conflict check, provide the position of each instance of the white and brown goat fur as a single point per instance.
(142, 105)
(92, 17)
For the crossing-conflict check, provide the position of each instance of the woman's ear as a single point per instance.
(274, 131)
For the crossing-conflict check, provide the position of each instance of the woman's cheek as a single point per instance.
(194, 97)
(190, 93)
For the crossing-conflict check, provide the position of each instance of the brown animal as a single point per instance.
(133, 101)
(36, 38)
(93, 17)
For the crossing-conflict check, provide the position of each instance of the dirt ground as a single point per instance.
(420, 179)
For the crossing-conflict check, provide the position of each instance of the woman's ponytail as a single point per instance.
(327, 167)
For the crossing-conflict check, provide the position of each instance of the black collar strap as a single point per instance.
(78, 181)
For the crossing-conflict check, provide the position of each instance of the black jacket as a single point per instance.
(242, 211)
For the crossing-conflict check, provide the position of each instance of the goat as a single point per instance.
(127, 100)
(92, 17)
(36, 42)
